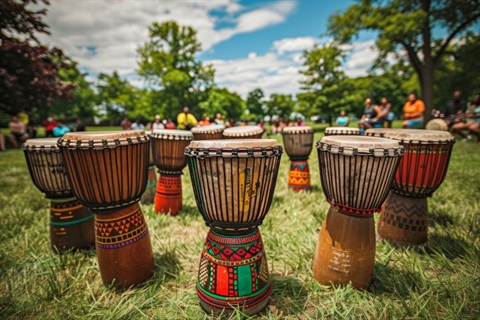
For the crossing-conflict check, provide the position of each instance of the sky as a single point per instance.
(251, 44)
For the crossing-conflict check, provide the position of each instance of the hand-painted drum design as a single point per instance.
(168, 152)
(108, 174)
(356, 174)
(71, 224)
(422, 170)
(298, 142)
(233, 183)
(437, 125)
(342, 131)
(149, 194)
(243, 132)
(210, 132)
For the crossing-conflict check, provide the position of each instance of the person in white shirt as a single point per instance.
(137, 125)
(157, 124)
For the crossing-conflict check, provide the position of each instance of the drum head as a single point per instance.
(297, 130)
(420, 136)
(172, 134)
(342, 131)
(41, 142)
(437, 124)
(233, 144)
(380, 132)
(242, 131)
(101, 139)
(358, 145)
(208, 129)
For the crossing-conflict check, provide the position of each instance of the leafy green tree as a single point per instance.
(229, 104)
(412, 27)
(281, 105)
(255, 102)
(324, 85)
(116, 96)
(168, 63)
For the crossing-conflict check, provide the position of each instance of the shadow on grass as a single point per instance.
(387, 279)
(440, 218)
(289, 295)
(447, 245)
(166, 266)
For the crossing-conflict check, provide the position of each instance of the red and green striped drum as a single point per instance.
(233, 182)
(298, 143)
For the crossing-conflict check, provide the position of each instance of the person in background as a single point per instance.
(186, 120)
(204, 122)
(413, 112)
(32, 127)
(472, 122)
(80, 126)
(137, 125)
(276, 129)
(60, 130)
(229, 123)
(170, 124)
(261, 124)
(455, 110)
(126, 124)
(157, 124)
(17, 131)
(218, 119)
(372, 116)
(343, 120)
(2, 143)
(50, 123)
(387, 112)
(244, 122)
(299, 123)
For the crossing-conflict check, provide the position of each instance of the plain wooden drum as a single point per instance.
(243, 132)
(404, 220)
(342, 131)
(210, 132)
(71, 224)
(108, 174)
(356, 174)
(168, 152)
(298, 142)
(233, 183)
(150, 190)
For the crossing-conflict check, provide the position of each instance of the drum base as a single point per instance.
(345, 251)
(149, 194)
(404, 221)
(299, 176)
(168, 197)
(71, 225)
(124, 250)
(233, 273)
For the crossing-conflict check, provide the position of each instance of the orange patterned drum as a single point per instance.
(298, 142)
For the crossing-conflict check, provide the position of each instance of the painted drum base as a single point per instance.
(345, 251)
(149, 194)
(299, 176)
(404, 221)
(71, 225)
(168, 197)
(124, 250)
(233, 273)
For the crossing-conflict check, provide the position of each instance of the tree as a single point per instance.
(168, 63)
(281, 105)
(117, 96)
(255, 102)
(324, 86)
(29, 78)
(412, 26)
(229, 104)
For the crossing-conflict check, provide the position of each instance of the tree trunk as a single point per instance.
(427, 88)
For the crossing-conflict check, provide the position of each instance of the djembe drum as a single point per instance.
(168, 152)
(243, 132)
(437, 124)
(108, 174)
(233, 183)
(342, 131)
(298, 143)
(149, 194)
(71, 224)
(404, 220)
(210, 132)
(356, 174)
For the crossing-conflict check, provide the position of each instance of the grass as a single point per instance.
(441, 281)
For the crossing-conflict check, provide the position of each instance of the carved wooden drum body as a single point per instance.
(108, 173)
(71, 224)
(298, 142)
(356, 174)
(150, 190)
(233, 183)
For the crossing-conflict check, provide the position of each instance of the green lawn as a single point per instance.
(439, 282)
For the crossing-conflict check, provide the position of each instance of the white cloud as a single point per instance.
(361, 59)
(294, 44)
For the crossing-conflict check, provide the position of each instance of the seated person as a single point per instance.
(17, 131)
(60, 130)
(472, 120)
(343, 120)
(413, 112)
(372, 116)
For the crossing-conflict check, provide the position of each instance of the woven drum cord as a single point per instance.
(420, 178)
(169, 155)
(97, 176)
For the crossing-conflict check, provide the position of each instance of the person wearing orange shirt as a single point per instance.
(413, 112)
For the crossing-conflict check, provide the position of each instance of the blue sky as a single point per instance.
(250, 43)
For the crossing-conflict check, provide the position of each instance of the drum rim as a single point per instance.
(297, 130)
(241, 152)
(101, 144)
(242, 131)
(171, 134)
(213, 128)
(349, 129)
(378, 152)
(419, 140)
